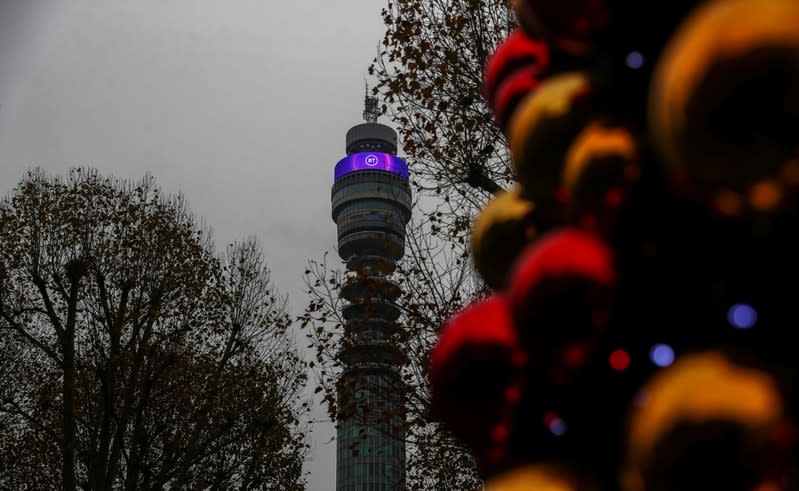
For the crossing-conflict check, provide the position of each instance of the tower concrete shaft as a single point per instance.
(371, 201)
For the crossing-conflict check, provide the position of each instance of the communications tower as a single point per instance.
(371, 201)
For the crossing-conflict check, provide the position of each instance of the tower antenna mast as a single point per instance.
(370, 112)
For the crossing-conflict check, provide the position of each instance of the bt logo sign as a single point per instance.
(371, 160)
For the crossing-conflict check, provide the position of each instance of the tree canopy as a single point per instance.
(131, 354)
(430, 70)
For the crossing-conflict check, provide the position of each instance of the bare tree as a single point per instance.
(138, 358)
(430, 70)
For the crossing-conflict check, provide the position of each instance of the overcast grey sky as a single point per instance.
(241, 105)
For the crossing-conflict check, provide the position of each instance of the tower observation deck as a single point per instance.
(371, 201)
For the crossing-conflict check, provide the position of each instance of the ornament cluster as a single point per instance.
(643, 268)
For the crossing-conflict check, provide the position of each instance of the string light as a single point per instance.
(555, 424)
(619, 360)
(635, 60)
(742, 316)
(661, 355)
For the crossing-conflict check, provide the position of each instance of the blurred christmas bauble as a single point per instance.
(600, 169)
(473, 370)
(512, 71)
(615, 32)
(501, 231)
(724, 103)
(542, 130)
(569, 25)
(707, 422)
(560, 290)
(547, 476)
(517, 86)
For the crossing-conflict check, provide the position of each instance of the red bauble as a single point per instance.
(473, 370)
(512, 71)
(518, 85)
(570, 25)
(560, 292)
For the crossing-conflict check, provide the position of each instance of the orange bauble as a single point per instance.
(707, 422)
(600, 169)
(724, 102)
(541, 131)
(501, 231)
(540, 477)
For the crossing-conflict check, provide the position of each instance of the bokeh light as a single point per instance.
(742, 316)
(661, 355)
(555, 424)
(635, 60)
(619, 360)
(558, 427)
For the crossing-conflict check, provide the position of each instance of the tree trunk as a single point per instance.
(68, 470)
(108, 378)
(75, 269)
(130, 391)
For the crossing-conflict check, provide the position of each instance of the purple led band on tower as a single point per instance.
(371, 161)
